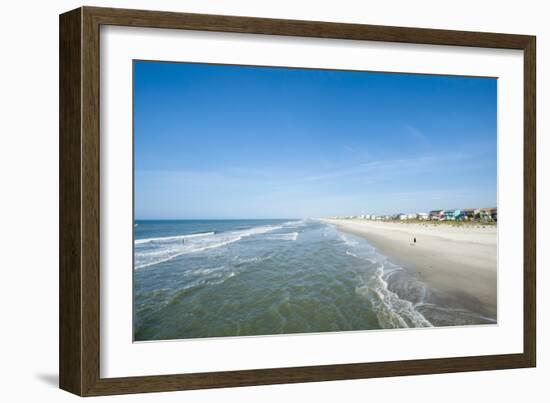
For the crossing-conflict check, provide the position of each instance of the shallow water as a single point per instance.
(212, 278)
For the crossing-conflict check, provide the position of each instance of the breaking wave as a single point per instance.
(152, 251)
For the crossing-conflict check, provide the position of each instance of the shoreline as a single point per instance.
(458, 262)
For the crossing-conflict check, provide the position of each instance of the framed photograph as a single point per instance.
(249, 201)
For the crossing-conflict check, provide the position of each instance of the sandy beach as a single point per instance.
(460, 262)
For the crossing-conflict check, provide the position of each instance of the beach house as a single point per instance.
(468, 213)
(436, 214)
(459, 215)
(449, 215)
(423, 216)
(486, 214)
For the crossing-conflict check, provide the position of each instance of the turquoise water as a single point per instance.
(214, 278)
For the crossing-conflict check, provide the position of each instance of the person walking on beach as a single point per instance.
(414, 240)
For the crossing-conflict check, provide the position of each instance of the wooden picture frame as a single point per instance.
(80, 199)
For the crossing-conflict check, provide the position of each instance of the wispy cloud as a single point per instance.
(417, 134)
(390, 167)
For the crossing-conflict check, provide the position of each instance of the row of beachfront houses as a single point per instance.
(467, 214)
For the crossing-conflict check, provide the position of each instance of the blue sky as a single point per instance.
(215, 141)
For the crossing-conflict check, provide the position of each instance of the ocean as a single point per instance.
(216, 278)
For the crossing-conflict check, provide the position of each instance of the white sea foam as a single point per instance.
(292, 236)
(171, 238)
(152, 251)
(391, 311)
(254, 259)
(347, 241)
(459, 315)
(350, 253)
(294, 224)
